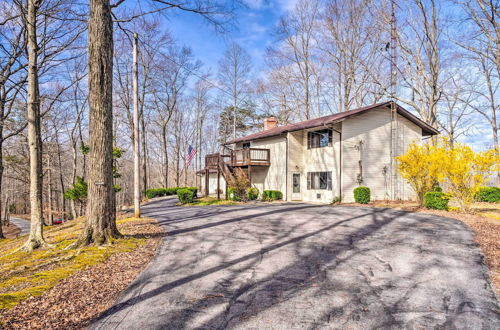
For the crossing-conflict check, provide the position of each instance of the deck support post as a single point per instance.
(218, 179)
(250, 174)
(207, 173)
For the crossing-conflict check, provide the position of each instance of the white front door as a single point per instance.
(296, 194)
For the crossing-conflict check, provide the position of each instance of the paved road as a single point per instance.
(300, 266)
(22, 224)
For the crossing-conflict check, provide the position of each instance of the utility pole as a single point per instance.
(137, 189)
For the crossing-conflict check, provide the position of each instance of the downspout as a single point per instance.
(286, 167)
(340, 161)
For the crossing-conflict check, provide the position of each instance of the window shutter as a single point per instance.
(330, 137)
(329, 184)
(309, 140)
(308, 180)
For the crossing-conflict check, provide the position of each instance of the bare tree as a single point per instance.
(201, 96)
(482, 46)
(295, 34)
(234, 75)
(456, 114)
(351, 43)
(172, 81)
(35, 238)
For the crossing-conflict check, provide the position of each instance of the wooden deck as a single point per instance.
(240, 157)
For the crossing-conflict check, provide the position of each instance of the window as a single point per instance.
(319, 180)
(319, 139)
(246, 145)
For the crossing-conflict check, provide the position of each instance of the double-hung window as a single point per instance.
(319, 139)
(319, 180)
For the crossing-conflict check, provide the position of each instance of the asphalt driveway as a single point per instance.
(301, 266)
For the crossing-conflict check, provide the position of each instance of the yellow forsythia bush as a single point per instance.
(420, 167)
(462, 170)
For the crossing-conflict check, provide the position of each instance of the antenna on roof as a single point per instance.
(393, 50)
(395, 131)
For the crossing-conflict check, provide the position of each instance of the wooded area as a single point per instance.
(66, 70)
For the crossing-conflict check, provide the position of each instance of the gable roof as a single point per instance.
(335, 118)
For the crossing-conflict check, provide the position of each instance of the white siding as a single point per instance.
(271, 177)
(409, 133)
(212, 185)
(305, 160)
(371, 131)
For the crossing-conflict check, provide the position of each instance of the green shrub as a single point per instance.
(337, 200)
(436, 188)
(156, 192)
(78, 191)
(171, 191)
(271, 195)
(362, 195)
(234, 194)
(488, 194)
(159, 192)
(253, 193)
(436, 200)
(193, 189)
(185, 195)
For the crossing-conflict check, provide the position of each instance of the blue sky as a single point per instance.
(253, 31)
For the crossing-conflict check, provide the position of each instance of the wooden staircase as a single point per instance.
(232, 168)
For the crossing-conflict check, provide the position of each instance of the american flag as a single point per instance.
(191, 153)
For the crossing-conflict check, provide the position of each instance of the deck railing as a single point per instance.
(250, 156)
(240, 157)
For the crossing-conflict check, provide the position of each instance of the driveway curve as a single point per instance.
(302, 266)
(22, 224)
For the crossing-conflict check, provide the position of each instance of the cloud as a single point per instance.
(287, 5)
(254, 4)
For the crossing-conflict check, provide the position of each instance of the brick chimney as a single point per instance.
(270, 122)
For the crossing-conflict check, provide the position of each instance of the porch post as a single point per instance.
(218, 183)
(207, 173)
(250, 174)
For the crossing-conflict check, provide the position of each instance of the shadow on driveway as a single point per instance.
(302, 266)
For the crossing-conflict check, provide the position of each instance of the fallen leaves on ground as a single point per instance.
(77, 299)
(10, 231)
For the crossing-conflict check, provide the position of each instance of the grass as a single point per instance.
(204, 201)
(25, 274)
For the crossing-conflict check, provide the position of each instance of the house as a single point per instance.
(320, 159)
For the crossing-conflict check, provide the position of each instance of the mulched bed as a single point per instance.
(75, 301)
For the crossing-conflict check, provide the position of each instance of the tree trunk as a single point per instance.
(73, 177)
(100, 226)
(35, 239)
(165, 151)
(49, 190)
(61, 177)
(1, 177)
(177, 162)
(144, 156)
